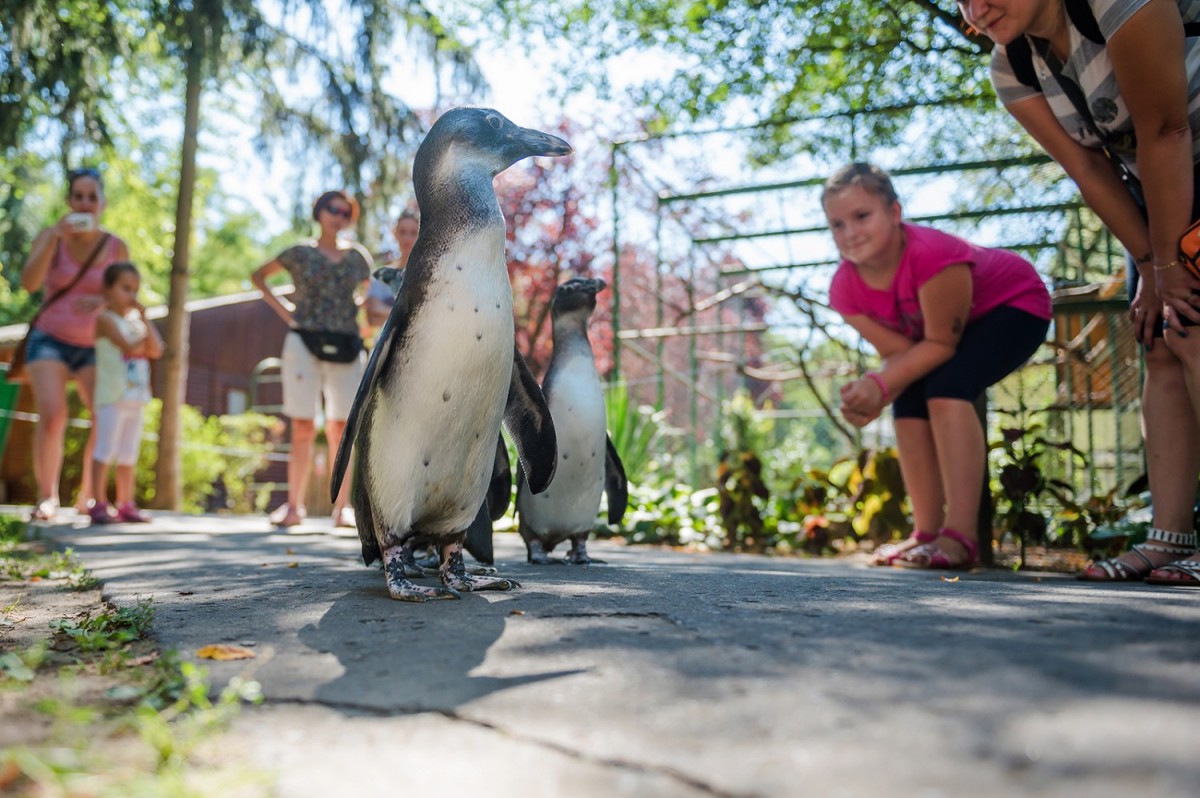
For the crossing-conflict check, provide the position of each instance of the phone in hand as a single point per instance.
(81, 222)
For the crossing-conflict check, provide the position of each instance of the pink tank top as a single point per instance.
(61, 319)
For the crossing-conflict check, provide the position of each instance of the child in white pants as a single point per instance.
(125, 343)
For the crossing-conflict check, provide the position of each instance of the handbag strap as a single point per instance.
(1075, 94)
(62, 292)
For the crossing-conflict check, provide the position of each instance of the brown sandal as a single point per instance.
(1160, 541)
(1189, 568)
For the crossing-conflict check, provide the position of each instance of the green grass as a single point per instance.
(123, 719)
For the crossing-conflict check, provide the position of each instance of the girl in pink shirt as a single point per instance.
(948, 318)
(61, 345)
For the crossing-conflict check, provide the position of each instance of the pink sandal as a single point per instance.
(890, 552)
(930, 557)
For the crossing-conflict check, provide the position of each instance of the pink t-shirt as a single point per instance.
(61, 319)
(998, 277)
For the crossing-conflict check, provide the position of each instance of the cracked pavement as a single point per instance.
(672, 674)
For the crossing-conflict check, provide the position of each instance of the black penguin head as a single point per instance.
(389, 276)
(575, 295)
(463, 139)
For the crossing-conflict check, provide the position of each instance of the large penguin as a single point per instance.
(445, 372)
(588, 464)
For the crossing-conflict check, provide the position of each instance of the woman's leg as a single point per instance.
(1171, 436)
(304, 431)
(48, 380)
(85, 383)
(333, 434)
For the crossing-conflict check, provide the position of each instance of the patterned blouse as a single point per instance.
(324, 295)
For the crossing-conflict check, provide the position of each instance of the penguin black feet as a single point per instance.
(455, 577)
(536, 553)
(431, 565)
(578, 554)
(398, 585)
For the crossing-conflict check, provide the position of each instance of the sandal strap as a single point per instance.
(971, 546)
(1177, 540)
(1188, 567)
(923, 537)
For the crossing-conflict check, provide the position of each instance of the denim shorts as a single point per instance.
(44, 346)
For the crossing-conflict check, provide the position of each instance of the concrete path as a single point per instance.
(673, 674)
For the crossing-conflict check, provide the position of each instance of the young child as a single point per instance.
(948, 319)
(125, 342)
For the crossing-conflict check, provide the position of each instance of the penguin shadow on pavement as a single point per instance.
(400, 657)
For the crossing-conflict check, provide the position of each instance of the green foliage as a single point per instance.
(743, 497)
(1022, 484)
(637, 432)
(221, 454)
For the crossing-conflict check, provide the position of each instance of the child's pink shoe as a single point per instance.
(130, 514)
(100, 514)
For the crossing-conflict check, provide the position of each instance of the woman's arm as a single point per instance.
(37, 265)
(1106, 194)
(945, 304)
(1155, 89)
(282, 309)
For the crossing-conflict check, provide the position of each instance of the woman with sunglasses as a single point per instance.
(329, 277)
(68, 261)
(1083, 77)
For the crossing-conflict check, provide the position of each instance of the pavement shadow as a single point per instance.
(410, 657)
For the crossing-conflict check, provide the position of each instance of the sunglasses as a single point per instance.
(345, 213)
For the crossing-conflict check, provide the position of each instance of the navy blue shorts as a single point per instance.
(992, 347)
(44, 346)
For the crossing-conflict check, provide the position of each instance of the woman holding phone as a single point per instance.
(67, 260)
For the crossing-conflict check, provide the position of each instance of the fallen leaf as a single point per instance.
(293, 565)
(35, 579)
(225, 651)
(516, 612)
(289, 551)
(949, 578)
(266, 564)
(9, 772)
(186, 592)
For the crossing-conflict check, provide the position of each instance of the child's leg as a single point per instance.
(105, 427)
(922, 476)
(129, 441)
(961, 451)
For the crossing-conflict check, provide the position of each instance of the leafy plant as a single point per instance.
(221, 454)
(1025, 453)
(636, 432)
(743, 497)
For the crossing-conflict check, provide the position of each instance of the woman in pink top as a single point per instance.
(61, 345)
(948, 319)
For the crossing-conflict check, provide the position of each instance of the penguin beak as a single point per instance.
(534, 142)
(597, 285)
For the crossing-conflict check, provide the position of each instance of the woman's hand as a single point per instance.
(1177, 289)
(1145, 313)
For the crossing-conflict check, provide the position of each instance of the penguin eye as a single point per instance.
(495, 122)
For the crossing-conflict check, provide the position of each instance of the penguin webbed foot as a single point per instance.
(454, 574)
(431, 566)
(578, 554)
(398, 585)
(536, 553)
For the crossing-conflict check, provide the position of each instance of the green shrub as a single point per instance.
(221, 454)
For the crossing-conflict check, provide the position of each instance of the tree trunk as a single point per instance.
(169, 476)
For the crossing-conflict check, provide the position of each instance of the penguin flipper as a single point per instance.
(392, 330)
(478, 541)
(499, 493)
(616, 486)
(527, 417)
(364, 513)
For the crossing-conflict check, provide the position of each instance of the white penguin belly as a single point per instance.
(433, 437)
(570, 504)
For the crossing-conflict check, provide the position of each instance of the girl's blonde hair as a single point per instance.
(869, 177)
